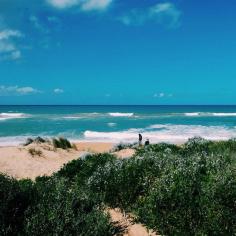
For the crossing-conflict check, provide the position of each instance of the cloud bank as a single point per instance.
(84, 5)
(8, 48)
(58, 90)
(17, 91)
(162, 95)
(162, 13)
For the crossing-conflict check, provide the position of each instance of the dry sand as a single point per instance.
(94, 147)
(19, 163)
(131, 228)
(125, 153)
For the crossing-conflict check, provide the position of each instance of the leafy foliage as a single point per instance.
(62, 210)
(15, 198)
(175, 190)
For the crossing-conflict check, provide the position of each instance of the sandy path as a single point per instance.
(132, 229)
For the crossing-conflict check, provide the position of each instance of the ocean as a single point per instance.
(173, 124)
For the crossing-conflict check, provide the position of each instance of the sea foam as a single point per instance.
(164, 133)
(7, 116)
(210, 114)
(119, 114)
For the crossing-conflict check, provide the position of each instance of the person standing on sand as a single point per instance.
(147, 142)
(140, 138)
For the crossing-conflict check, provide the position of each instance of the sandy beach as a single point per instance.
(19, 163)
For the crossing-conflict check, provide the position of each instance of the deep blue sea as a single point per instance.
(173, 124)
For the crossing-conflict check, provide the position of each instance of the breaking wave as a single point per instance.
(7, 116)
(210, 114)
(164, 133)
(119, 114)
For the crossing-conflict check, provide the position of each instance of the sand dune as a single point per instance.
(19, 163)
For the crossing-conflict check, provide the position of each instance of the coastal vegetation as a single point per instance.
(173, 190)
(34, 152)
(61, 143)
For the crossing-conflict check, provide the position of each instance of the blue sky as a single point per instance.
(117, 52)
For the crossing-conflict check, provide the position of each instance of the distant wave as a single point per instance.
(165, 133)
(12, 140)
(209, 114)
(119, 114)
(111, 124)
(224, 114)
(192, 114)
(7, 116)
(82, 116)
(72, 117)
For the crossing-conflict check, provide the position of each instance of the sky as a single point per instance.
(117, 52)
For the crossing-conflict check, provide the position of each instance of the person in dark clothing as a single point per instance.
(140, 138)
(147, 142)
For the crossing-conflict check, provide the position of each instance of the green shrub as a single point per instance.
(122, 146)
(61, 143)
(71, 169)
(183, 201)
(35, 140)
(123, 181)
(15, 198)
(34, 152)
(175, 190)
(158, 148)
(63, 210)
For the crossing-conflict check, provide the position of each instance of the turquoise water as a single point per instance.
(117, 123)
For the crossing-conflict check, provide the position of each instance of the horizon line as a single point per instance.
(117, 104)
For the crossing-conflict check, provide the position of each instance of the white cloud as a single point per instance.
(166, 13)
(53, 19)
(7, 33)
(84, 5)
(17, 91)
(61, 4)
(15, 55)
(158, 95)
(58, 90)
(91, 5)
(162, 13)
(8, 48)
(162, 95)
(37, 25)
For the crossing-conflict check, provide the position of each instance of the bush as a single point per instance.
(15, 198)
(184, 202)
(84, 168)
(158, 148)
(61, 143)
(62, 210)
(35, 140)
(71, 169)
(175, 190)
(123, 182)
(122, 146)
(34, 152)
